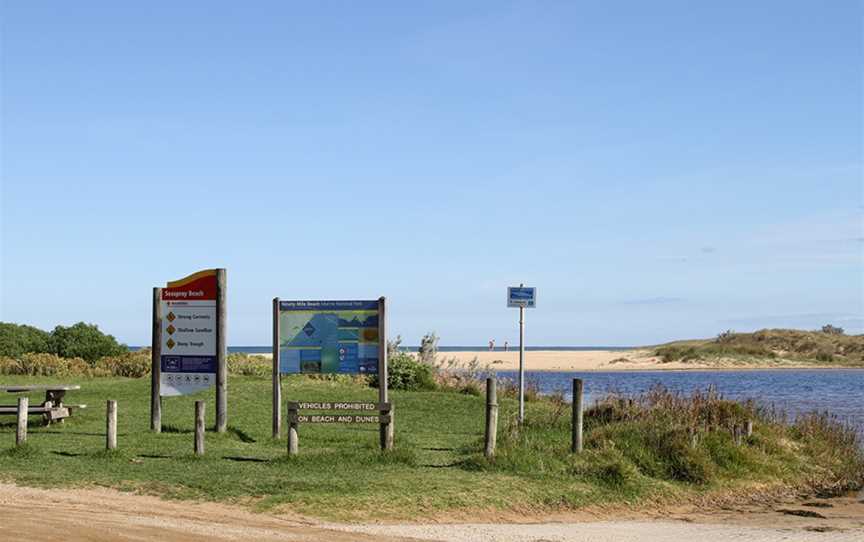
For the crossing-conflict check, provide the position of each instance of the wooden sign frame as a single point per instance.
(386, 425)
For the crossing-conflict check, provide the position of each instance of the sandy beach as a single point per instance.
(639, 359)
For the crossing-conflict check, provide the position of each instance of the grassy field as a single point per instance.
(630, 457)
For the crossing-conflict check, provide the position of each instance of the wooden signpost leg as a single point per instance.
(277, 382)
(386, 428)
(156, 363)
(221, 363)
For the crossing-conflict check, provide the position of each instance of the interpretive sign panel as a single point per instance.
(328, 337)
(189, 336)
(521, 296)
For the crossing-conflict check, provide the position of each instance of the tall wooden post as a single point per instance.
(221, 362)
(576, 445)
(23, 413)
(386, 428)
(111, 425)
(156, 363)
(199, 427)
(491, 417)
(277, 378)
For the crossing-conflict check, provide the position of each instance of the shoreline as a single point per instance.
(635, 360)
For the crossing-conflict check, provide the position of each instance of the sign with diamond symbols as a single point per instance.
(189, 334)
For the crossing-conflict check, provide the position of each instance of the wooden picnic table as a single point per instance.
(53, 408)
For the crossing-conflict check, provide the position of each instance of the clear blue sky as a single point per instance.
(658, 170)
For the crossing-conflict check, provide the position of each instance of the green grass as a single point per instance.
(437, 466)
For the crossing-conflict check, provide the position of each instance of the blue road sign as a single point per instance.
(521, 296)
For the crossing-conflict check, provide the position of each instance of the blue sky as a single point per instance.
(658, 170)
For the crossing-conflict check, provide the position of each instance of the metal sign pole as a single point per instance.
(521, 364)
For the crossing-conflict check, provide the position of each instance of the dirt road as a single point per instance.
(77, 515)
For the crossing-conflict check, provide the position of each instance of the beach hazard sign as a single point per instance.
(189, 324)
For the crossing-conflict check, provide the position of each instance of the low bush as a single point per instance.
(128, 364)
(84, 341)
(405, 372)
(246, 365)
(16, 340)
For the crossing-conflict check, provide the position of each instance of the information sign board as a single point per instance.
(189, 324)
(522, 296)
(328, 337)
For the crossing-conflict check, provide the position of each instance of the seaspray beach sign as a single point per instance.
(189, 334)
(522, 296)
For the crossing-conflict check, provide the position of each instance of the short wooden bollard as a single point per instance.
(576, 445)
(199, 427)
(748, 431)
(491, 417)
(21, 434)
(293, 445)
(111, 426)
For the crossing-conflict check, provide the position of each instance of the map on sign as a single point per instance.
(328, 337)
(521, 296)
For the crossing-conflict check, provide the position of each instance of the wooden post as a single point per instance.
(749, 428)
(491, 416)
(23, 413)
(111, 426)
(576, 445)
(277, 378)
(156, 363)
(387, 428)
(221, 364)
(293, 445)
(199, 427)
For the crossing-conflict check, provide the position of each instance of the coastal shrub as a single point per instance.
(16, 340)
(32, 364)
(128, 364)
(428, 350)
(246, 365)
(84, 341)
(405, 372)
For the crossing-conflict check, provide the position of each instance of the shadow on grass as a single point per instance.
(245, 459)
(67, 454)
(240, 434)
(176, 430)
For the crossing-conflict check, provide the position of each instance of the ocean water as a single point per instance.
(795, 391)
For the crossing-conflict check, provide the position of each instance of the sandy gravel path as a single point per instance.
(78, 515)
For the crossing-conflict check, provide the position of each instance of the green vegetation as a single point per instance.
(81, 340)
(638, 450)
(830, 346)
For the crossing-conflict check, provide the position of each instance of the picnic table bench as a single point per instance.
(52, 409)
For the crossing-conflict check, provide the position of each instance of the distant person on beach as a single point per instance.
(506, 346)
(492, 345)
